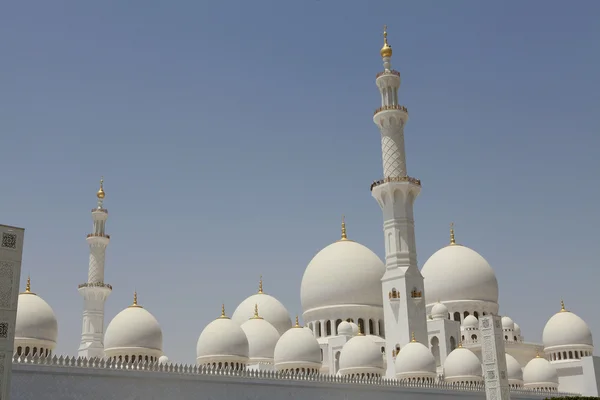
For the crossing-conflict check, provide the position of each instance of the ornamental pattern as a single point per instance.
(96, 271)
(393, 159)
(6, 284)
(9, 240)
(3, 330)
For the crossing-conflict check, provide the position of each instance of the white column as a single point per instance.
(11, 252)
(494, 358)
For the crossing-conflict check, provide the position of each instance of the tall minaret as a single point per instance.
(95, 291)
(402, 283)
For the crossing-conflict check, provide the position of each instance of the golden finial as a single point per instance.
(412, 337)
(460, 343)
(135, 302)
(297, 323)
(386, 50)
(28, 286)
(101, 193)
(256, 316)
(562, 306)
(452, 241)
(360, 331)
(223, 311)
(344, 235)
(260, 288)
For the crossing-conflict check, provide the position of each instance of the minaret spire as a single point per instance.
(452, 241)
(95, 291)
(344, 235)
(396, 193)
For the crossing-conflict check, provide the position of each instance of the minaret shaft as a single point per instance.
(402, 283)
(95, 291)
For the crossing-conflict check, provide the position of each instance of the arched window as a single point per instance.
(466, 314)
(381, 328)
(452, 343)
(371, 327)
(328, 328)
(19, 350)
(27, 351)
(337, 362)
(361, 326)
(457, 316)
(318, 326)
(473, 337)
(476, 314)
(337, 325)
(435, 350)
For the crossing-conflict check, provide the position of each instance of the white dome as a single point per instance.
(415, 361)
(262, 339)
(222, 340)
(517, 329)
(456, 272)
(508, 323)
(462, 364)
(515, 373)
(163, 360)
(439, 311)
(271, 310)
(132, 330)
(471, 322)
(343, 273)
(344, 328)
(566, 328)
(361, 355)
(539, 372)
(36, 321)
(297, 348)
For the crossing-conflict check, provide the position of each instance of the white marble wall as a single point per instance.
(11, 251)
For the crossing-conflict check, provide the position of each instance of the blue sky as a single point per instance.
(233, 136)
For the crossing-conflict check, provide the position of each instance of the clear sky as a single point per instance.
(232, 137)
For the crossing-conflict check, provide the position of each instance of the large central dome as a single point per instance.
(345, 272)
(456, 273)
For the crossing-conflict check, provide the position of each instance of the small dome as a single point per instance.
(271, 310)
(345, 329)
(566, 329)
(515, 373)
(163, 360)
(355, 328)
(508, 323)
(439, 311)
(471, 322)
(133, 331)
(415, 361)
(540, 373)
(262, 339)
(343, 273)
(36, 321)
(456, 273)
(462, 364)
(222, 340)
(517, 329)
(297, 348)
(361, 355)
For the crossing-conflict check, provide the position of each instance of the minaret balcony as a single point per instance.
(414, 181)
(95, 285)
(391, 107)
(388, 72)
(102, 210)
(102, 235)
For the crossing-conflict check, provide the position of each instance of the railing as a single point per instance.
(396, 179)
(98, 235)
(95, 284)
(104, 210)
(392, 107)
(388, 72)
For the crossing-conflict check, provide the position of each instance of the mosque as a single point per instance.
(371, 327)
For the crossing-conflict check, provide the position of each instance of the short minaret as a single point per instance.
(493, 358)
(402, 283)
(95, 291)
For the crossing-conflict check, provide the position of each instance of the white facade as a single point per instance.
(373, 328)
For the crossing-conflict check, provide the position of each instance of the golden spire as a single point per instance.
(260, 288)
(28, 286)
(297, 323)
(344, 235)
(562, 306)
(460, 343)
(386, 50)
(101, 193)
(537, 355)
(452, 241)
(412, 337)
(223, 311)
(135, 303)
(256, 316)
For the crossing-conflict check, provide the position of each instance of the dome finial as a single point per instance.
(297, 323)
(452, 241)
(223, 311)
(344, 235)
(386, 50)
(412, 337)
(135, 301)
(562, 306)
(260, 286)
(256, 316)
(460, 343)
(100, 194)
(28, 286)
(360, 330)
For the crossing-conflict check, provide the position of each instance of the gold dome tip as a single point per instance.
(460, 343)
(101, 193)
(386, 50)
(344, 233)
(452, 240)
(256, 316)
(297, 323)
(135, 301)
(28, 286)
(412, 337)
(223, 311)
(260, 286)
(562, 306)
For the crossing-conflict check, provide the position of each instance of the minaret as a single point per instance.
(95, 291)
(402, 283)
